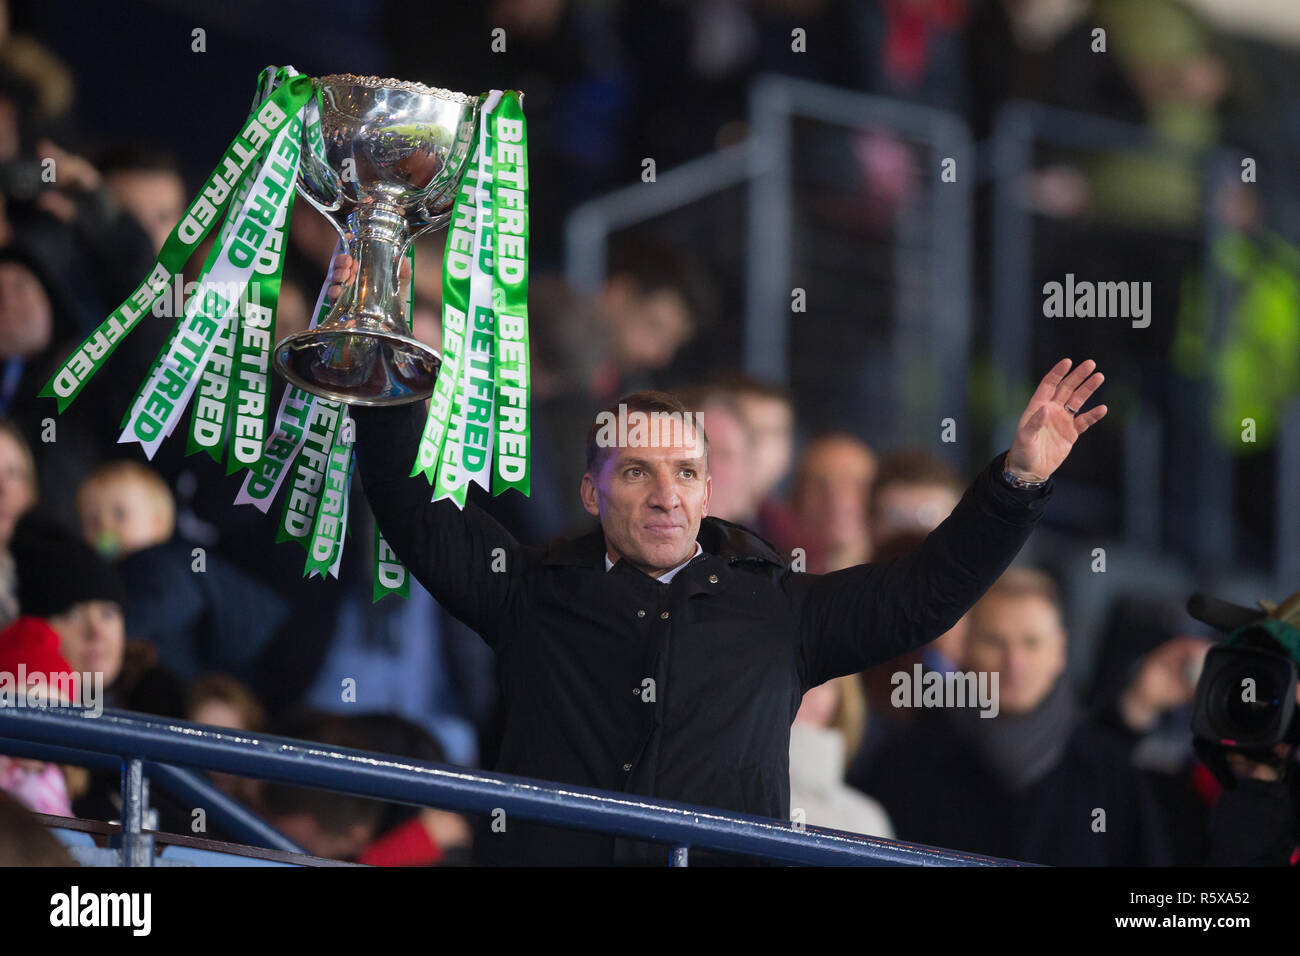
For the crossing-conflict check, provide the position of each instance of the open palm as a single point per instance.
(1051, 421)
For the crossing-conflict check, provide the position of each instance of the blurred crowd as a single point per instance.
(147, 573)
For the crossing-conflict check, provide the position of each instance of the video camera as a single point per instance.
(1246, 695)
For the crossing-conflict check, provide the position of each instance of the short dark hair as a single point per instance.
(744, 385)
(333, 812)
(137, 156)
(913, 466)
(648, 402)
(654, 265)
(1022, 581)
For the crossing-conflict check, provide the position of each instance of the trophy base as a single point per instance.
(359, 366)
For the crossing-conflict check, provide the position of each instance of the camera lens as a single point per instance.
(1245, 701)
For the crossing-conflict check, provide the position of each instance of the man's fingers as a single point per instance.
(1089, 418)
(1080, 396)
(1073, 381)
(1052, 380)
(342, 270)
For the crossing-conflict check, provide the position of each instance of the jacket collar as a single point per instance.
(734, 543)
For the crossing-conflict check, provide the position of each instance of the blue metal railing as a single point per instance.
(140, 741)
(234, 819)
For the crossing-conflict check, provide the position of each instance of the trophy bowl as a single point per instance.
(382, 159)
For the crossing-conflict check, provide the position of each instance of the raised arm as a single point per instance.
(855, 618)
(852, 619)
(452, 552)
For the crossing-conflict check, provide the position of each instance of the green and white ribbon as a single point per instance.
(510, 295)
(301, 507)
(263, 481)
(254, 341)
(480, 401)
(242, 158)
(208, 418)
(390, 575)
(326, 545)
(221, 289)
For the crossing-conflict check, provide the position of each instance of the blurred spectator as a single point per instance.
(147, 183)
(943, 654)
(411, 836)
(200, 612)
(67, 585)
(831, 485)
(56, 201)
(46, 75)
(1142, 689)
(1165, 68)
(769, 411)
(32, 644)
(1033, 782)
(124, 508)
(24, 841)
(733, 456)
(332, 825)
(827, 727)
(62, 581)
(650, 306)
(911, 49)
(17, 495)
(37, 327)
(221, 701)
(80, 595)
(913, 491)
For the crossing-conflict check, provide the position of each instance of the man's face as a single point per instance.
(650, 500)
(1021, 638)
(772, 422)
(26, 319)
(647, 329)
(832, 503)
(155, 199)
(92, 637)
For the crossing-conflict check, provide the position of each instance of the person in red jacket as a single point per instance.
(30, 664)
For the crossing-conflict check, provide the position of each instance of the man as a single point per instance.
(913, 491)
(732, 455)
(146, 183)
(666, 654)
(1028, 778)
(831, 485)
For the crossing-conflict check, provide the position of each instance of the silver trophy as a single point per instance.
(382, 160)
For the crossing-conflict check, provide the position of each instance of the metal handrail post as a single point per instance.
(137, 844)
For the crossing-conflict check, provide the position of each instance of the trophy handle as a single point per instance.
(318, 181)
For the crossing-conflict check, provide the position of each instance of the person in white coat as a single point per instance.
(827, 728)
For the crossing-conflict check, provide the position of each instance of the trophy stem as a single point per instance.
(378, 240)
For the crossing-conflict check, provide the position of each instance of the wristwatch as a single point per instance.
(1020, 483)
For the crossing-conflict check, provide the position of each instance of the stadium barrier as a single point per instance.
(142, 744)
